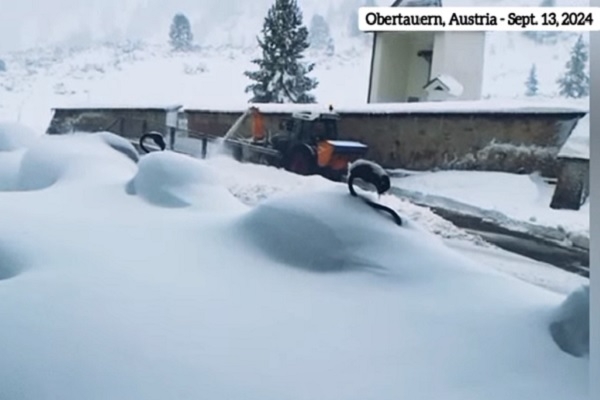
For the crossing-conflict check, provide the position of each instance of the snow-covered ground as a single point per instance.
(181, 278)
(578, 144)
(520, 202)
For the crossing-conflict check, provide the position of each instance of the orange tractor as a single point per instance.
(306, 143)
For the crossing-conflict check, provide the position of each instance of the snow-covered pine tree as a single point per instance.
(180, 34)
(319, 35)
(575, 83)
(282, 75)
(532, 82)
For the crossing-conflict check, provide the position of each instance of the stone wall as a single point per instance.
(512, 142)
(130, 123)
(494, 141)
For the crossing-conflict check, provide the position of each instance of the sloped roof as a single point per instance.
(453, 86)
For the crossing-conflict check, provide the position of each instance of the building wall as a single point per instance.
(461, 55)
(398, 73)
(418, 73)
(498, 142)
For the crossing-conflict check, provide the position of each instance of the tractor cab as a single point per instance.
(306, 143)
(311, 127)
(309, 144)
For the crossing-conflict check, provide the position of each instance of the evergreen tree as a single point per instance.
(282, 74)
(575, 82)
(319, 36)
(532, 82)
(180, 35)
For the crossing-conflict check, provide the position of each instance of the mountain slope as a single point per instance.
(145, 71)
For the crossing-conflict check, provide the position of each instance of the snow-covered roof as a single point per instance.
(141, 106)
(270, 108)
(313, 115)
(454, 87)
(497, 106)
(578, 143)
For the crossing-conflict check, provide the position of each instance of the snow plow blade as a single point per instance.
(334, 155)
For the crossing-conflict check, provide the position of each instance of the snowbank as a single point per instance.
(508, 199)
(14, 136)
(12, 262)
(124, 299)
(120, 144)
(77, 157)
(10, 163)
(170, 179)
(253, 183)
(570, 327)
(336, 231)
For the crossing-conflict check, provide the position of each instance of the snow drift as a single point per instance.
(120, 144)
(155, 295)
(14, 136)
(79, 157)
(570, 327)
(14, 139)
(169, 179)
(10, 163)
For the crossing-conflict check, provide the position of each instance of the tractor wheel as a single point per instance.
(301, 162)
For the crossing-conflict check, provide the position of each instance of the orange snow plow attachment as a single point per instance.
(336, 154)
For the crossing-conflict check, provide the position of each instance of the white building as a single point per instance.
(404, 63)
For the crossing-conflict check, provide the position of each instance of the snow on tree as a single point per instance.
(282, 75)
(532, 82)
(180, 34)
(320, 36)
(575, 82)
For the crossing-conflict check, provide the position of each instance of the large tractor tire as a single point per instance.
(301, 161)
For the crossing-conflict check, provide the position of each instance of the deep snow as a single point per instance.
(578, 143)
(511, 200)
(108, 291)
